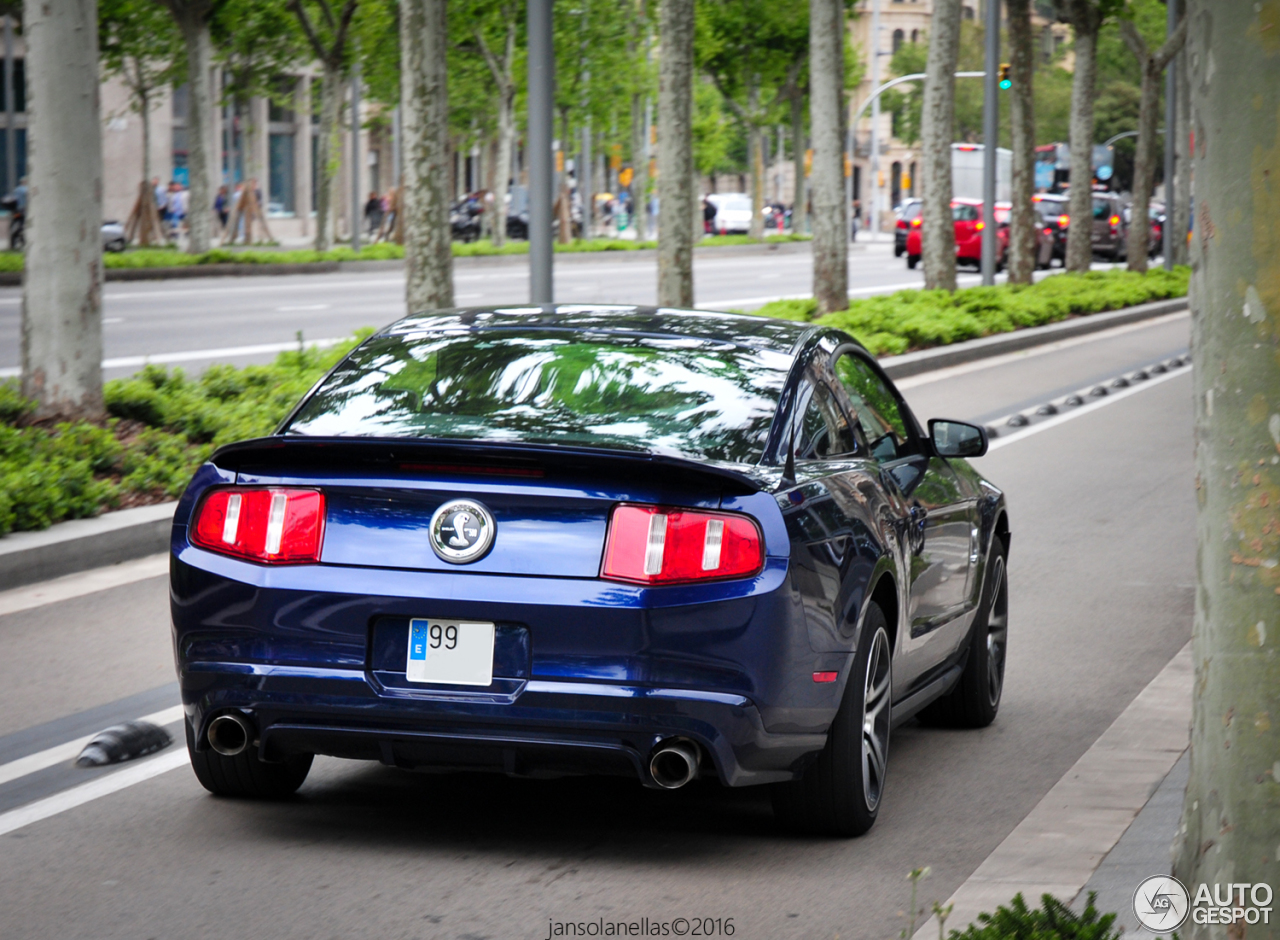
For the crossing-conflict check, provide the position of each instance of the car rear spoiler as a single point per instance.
(482, 458)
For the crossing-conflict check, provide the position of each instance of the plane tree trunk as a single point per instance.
(1181, 214)
(1153, 65)
(192, 17)
(676, 196)
(1230, 828)
(798, 208)
(1022, 223)
(937, 230)
(428, 249)
(830, 213)
(62, 282)
(1086, 20)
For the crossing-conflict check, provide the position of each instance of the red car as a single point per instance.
(967, 214)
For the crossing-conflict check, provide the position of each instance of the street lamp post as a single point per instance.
(541, 79)
(990, 142)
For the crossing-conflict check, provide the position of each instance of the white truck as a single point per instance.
(966, 172)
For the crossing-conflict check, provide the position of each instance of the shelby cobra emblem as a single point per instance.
(461, 531)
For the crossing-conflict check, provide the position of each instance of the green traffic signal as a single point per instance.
(1005, 82)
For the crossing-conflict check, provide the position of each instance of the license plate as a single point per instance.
(450, 652)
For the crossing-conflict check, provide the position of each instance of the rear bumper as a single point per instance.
(543, 727)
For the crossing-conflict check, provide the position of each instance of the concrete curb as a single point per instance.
(70, 547)
(928, 360)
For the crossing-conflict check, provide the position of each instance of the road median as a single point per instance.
(164, 424)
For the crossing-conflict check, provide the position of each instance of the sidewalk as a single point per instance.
(1106, 825)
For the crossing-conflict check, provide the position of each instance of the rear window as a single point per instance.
(684, 396)
(736, 202)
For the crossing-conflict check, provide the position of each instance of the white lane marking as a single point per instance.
(106, 320)
(925, 378)
(1087, 408)
(82, 583)
(304, 307)
(219, 290)
(63, 753)
(95, 789)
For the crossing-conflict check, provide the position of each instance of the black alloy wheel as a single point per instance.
(975, 700)
(841, 792)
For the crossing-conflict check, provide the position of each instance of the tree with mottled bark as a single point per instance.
(676, 195)
(796, 91)
(1022, 221)
(328, 31)
(62, 280)
(746, 48)
(1230, 827)
(937, 230)
(493, 26)
(826, 97)
(139, 44)
(1153, 65)
(255, 42)
(192, 17)
(1180, 216)
(424, 121)
(1086, 18)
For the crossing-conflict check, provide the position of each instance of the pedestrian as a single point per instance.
(179, 203)
(221, 206)
(161, 193)
(708, 215)
(373, 214)
(856, 216)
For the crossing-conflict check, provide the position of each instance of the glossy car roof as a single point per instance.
(708, 326)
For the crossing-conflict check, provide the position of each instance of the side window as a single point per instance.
(1100, 208)
(875, 409)
(824, 430)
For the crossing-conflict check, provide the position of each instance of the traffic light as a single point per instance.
(1005, 81)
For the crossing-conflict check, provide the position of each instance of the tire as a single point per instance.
(912, 261)
(244, 775)
(975, 700)
(898, 251)
(841, 792)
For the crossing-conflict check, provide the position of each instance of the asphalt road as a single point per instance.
(197, 321)
(1101, 572)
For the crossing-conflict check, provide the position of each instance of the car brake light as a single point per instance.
(1048, 231)
(979, 226)
(902, 223)
(1064, 221)
(274, 525)
(915, 223)
(665, 545)
(1115, 221)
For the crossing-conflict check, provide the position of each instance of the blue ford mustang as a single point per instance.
(571, 539)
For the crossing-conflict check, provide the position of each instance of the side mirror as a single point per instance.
(957, 438)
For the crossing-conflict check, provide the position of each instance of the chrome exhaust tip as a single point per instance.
(674, 764)
(229, 734)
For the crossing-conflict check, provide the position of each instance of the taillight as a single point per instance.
(902, 223)
(1115, 222)
(664, 545)
(915, 223)
(1064, 221)
(275, 525)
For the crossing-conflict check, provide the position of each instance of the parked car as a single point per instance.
(733, 213)
(464, 217)
(662, 544)
(967, 216)
(113, 236)
(907, 212)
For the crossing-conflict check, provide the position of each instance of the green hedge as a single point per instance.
(383, 251)
(162, 425)
(1053, 921)
(917, 319)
